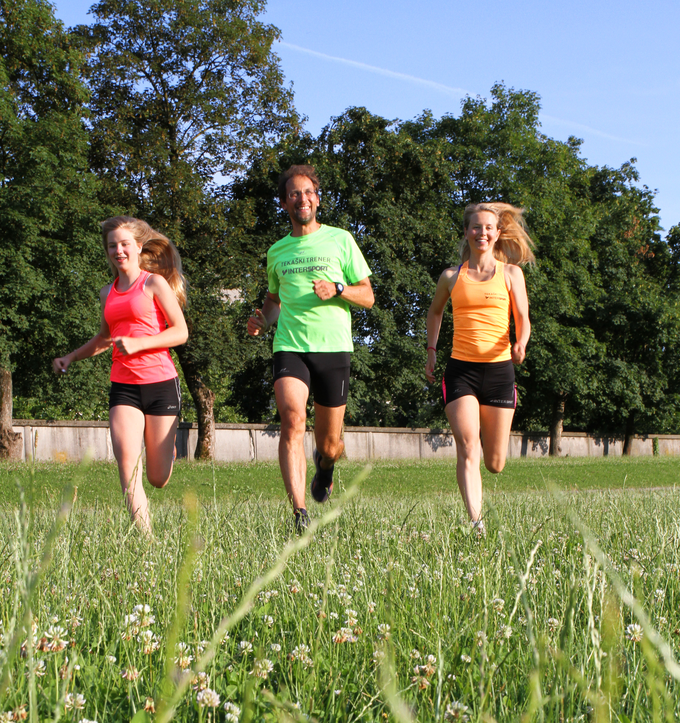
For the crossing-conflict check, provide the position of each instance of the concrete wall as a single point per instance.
(70, 440)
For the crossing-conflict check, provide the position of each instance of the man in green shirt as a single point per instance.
(314, 275)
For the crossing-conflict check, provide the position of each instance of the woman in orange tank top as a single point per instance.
(141, 318)
(479, 382)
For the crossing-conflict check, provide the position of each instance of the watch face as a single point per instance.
(339, 288)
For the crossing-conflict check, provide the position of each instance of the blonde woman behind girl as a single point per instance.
(479, 382)
(141, 318)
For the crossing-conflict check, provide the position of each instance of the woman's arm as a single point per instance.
(176, 332)
(434, 317)
(520, 311)
(98, 343)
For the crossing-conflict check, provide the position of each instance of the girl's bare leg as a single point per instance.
(127, 433)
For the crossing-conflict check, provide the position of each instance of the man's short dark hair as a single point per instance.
(308, 171)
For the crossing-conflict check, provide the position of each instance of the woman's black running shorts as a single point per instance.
(159, 399)
(325, 373)
(492, 383)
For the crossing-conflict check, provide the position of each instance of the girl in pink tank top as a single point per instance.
(141, 319)
(479, 381)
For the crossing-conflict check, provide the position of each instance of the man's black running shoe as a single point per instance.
(301, 521)
(322, 482)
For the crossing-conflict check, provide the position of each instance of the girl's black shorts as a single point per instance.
(492, 383)
(325, 373)
(159, 399)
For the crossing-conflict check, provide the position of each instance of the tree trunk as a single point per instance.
(557, 424)
(630, 433)
(10, 441)
(204, 399)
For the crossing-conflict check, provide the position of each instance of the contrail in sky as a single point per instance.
(449, 90)
(588, 129)
(381, 71)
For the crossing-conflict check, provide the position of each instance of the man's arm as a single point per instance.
(359, 294)
(268, 315)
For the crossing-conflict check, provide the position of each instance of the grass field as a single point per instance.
(390, 609)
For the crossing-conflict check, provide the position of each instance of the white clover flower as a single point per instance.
(333, 616)
(456, 711)
(74, 701)
(245, 647)
(56, 636)
(6, 717)
(39, 669)
(634, 632)
(208, 698)
(111, 658)
(498, 604)
(466, 658)
(149, 642)
(262, 668)
(351, 617)
(480, 638)
(86, 720)
(659, 595)
(345, 635)
(378, 656)
(144, 615)
(504, 632)
(275, 647)
(384, 631)
(233, 712)
(183, 659)
(415, 654)
(201, 681)
(301, 654)
(553, 625)
(268, 620)
(130, 674)
(295, 587)
(371, 606)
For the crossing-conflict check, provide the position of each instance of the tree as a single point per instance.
(51, 263)
(183, 94)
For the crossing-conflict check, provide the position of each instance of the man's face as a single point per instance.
(301, 200)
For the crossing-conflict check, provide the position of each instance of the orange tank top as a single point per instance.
(481, 317)
(133, 313)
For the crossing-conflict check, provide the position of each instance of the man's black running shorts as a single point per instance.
(325, 373)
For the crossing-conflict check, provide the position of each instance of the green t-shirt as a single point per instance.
(306, 323)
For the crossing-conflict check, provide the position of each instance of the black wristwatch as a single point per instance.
(339, 288)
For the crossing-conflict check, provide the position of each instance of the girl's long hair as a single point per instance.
(158, 255)
(514, 243)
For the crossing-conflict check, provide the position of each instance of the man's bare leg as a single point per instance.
(329, 447)
(328, 431)
(291, 400)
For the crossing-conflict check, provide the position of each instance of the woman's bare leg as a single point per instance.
(159, 438)
(127, 432)
(495, 425)
(463, 416)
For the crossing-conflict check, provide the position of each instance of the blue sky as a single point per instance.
(606, 72)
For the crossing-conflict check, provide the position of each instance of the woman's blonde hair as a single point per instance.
(514, 244)
(158, 255)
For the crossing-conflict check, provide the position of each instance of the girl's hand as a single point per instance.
(128, 344)
(430, 365)
(518, 353)
(61, 364)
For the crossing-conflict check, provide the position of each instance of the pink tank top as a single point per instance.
(133, 313)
